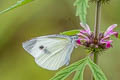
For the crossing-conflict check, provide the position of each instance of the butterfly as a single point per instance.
(52, 51)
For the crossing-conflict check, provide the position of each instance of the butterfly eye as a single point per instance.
(41, 47)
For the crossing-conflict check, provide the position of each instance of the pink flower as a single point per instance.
(86, 28)
(108, 33)
(86, 37)
(83, 35)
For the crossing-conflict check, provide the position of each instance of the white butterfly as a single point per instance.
(51, 52)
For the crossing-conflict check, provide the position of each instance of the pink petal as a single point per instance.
(83, 37)
(105, 38)
(110, 30)
(86, 27)
(78, 42)
(112, 33)
(115, 33)
(83, 32)
(107, 43)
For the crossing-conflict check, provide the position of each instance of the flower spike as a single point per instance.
(86, 38)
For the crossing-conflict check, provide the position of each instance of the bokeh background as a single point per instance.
(43, 17)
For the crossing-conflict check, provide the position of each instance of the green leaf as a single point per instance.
(97, 72)
(71, 32)
(19, 3)
(81, 9)
(79, 72)
(79, 68)
(61, 75)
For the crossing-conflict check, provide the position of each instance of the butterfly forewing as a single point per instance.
(50, 52)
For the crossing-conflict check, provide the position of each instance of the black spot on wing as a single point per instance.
(41, 47)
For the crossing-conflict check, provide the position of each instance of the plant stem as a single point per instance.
(95, 60)
(97, 29)
(97, 19)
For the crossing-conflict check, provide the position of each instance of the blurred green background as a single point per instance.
(43, 17)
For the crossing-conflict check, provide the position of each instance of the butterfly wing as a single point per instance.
(56, 53)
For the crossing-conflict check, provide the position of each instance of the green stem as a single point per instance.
(97, 29)
(95, 59)
(97, 19)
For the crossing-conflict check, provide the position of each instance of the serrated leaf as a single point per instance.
(97, 72)
(79, 68)
(81, 9)
(79, 72)
(19, 3)
(61, 75)
(71, 32)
